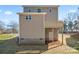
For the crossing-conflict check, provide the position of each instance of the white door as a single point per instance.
(51, 34)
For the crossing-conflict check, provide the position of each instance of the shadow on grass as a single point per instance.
(73, 41)
(10, 46)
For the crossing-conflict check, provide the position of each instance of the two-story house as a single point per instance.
(39, 24)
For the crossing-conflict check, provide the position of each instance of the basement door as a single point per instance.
(48, 35)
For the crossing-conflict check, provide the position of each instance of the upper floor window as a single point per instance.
(38, 10)
(50, 10)
(29, 17)
(29, 10)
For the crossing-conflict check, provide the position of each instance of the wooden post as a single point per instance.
(62, 36)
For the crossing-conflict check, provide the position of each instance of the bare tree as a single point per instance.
(65, 25)
(71, 16)
(13, 26)
(1, 27)
(70, 26)
(76, 25)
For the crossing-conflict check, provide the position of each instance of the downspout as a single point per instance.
(44, 17)
(19, 30)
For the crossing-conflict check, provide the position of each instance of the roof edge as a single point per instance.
(40, 5)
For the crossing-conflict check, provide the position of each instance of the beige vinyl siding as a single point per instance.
(53, 15)
(32, 30)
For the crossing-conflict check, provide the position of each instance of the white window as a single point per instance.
(29, 10)
(38, 10)
(50, 9)
(29, 17)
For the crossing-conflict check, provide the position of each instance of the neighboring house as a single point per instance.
(39, 24)
(1, 31)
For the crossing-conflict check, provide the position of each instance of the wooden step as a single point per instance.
(53, 44)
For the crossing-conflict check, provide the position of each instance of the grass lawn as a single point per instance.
(5, 45)
(73, 41)
(6, 36)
